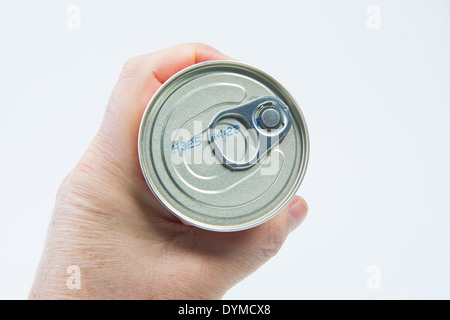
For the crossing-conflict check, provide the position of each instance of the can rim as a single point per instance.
(233, 227)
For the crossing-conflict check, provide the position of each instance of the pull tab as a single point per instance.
(267, 118)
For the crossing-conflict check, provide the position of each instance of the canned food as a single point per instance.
(223, 145)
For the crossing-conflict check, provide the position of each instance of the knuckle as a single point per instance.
(196, 45)
(132, 65)
(275, 237)
(193, 48)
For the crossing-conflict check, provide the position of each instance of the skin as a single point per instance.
(127, 245)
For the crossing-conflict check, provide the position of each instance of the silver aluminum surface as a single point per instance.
(180, 167)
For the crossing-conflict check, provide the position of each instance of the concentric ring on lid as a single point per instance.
(179, 164)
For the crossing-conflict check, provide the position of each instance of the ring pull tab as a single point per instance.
(267, 118)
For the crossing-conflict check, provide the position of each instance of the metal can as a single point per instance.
(223, 145)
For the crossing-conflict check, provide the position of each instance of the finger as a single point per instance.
(235, 255)
(167, 62)
(262, 241)
(266, 240)
(141, 76)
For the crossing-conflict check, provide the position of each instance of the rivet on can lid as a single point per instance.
(270, 118)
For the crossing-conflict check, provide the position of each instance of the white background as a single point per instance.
(377, 103)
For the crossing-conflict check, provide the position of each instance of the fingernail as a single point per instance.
(297, 213)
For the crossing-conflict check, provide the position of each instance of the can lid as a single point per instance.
(223, 145)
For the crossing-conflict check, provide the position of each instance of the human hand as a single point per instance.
(127, 245)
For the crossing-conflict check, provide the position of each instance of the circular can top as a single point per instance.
(239, 112)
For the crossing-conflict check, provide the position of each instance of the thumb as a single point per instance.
(268, 238)
(238, 254)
